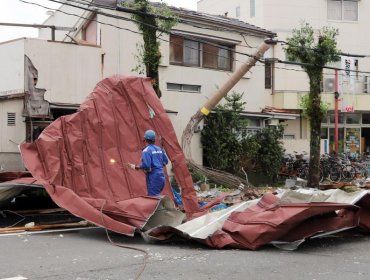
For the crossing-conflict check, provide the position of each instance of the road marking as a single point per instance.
(15, 278)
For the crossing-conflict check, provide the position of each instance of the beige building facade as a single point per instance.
(351, 19)
(198, 56)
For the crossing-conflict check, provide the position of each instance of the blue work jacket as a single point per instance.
(153, 159)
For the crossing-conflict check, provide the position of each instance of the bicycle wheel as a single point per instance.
(303, 172)
(348, 173)
(335, 173)
(322, 174)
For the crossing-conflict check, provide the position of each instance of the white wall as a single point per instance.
(12, 67)
(11, 136)
(68, 72)
(297, 145)
(63, 20)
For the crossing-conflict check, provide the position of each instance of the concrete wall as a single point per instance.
(12, 67)
(220, 7)
(11, 136)
(63, 20)
(68, 72)
(300, 146)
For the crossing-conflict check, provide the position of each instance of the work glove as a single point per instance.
(131, 165)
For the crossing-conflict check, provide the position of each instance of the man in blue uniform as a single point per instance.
(153, 159)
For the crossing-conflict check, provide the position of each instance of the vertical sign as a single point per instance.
(348, 84)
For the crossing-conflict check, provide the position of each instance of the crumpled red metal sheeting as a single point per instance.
(81, 158)
(270, 220)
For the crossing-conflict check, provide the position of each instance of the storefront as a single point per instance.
(353, 133)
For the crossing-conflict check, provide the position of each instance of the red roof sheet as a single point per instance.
(81, 158)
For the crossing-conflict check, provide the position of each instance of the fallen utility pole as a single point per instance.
(212, 102)
(52, 27)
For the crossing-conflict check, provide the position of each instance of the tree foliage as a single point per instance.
(313, 50)
(227, 147)
(221, 137)
(151, 20)
(271, 149)
(305, 105)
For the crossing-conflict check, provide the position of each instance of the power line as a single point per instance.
(136, 32)
(202, 41)
(321, 66)
(304, 47)
(192, 38)
(135, 11)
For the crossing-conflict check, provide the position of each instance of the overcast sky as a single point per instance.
(15, 11)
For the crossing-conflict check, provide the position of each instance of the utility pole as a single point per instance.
(219, 94)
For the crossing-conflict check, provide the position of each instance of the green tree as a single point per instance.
(223, 133)
(313, 51)
(271, 149)
(151, 20)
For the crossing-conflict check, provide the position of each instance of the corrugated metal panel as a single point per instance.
(81, 159)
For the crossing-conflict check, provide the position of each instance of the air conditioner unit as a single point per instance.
(329, 85)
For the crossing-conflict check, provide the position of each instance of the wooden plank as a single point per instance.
(42, 227)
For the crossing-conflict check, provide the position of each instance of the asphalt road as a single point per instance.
(88, 255)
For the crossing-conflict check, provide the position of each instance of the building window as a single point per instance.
(367, 84)
(192, 53)
(340, 118)
(11, 119)
(366, 118)
(324, 133)
(183, 87)
(268, 75)
(253, 122)
(237, 12)
(252, 8)
(343, 10)
(353, 118)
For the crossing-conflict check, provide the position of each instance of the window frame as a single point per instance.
(269, 65)
(343, 12)
(204, 57)
(182, 88)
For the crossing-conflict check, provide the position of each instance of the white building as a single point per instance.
(199, 56)
(351, 18)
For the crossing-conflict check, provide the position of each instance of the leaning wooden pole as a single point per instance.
(218, 95)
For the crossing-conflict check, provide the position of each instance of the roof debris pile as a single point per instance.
(25, 207)
(284, 220)
(81, 158)
(81, 161)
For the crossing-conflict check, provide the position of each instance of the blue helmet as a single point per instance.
(149, 135)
